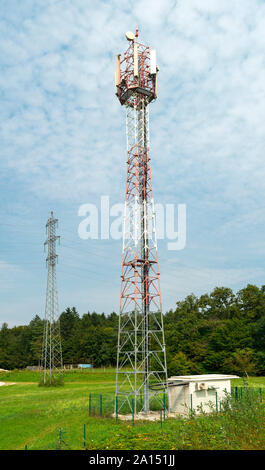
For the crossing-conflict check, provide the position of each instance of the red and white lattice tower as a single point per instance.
(141, 376)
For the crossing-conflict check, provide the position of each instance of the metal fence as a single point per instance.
(107, 404)
(239, 393)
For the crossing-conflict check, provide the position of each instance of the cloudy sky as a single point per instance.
(62, 138)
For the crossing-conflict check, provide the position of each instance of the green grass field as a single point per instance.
(32, 416)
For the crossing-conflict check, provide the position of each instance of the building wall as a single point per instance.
(183, 399)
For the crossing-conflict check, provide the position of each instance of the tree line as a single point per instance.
(220, 332)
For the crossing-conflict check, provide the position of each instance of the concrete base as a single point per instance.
(151, 416)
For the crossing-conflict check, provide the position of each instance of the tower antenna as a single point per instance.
(141, 374)
(52, 361)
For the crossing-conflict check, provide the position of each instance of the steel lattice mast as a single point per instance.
(141, 357)
(52, 363)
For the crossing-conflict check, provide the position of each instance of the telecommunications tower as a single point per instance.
(52, 362)
(141, 375)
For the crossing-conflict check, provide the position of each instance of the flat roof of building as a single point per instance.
(203, 378)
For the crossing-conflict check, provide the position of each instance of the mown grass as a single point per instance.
(102, 376)
(91, 376)
(32, 415)
(251, 381)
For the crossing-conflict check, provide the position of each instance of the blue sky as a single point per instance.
(63, 143)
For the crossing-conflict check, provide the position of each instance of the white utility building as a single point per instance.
(189, 393)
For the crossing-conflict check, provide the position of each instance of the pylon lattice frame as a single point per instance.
(141, 357)
(52, 361)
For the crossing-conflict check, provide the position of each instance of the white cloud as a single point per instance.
(68, 124)
(63, 130)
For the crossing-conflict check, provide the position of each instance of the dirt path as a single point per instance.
(7, 383)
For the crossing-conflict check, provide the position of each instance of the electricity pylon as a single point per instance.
(141, 375)
(52, 361)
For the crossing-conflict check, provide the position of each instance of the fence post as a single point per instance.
(260, 393)
(164, 405)
(100, 404)
(84, 435)
(236, 395)
(60, 438)
(132, 412)
(216, 402)
(191, 403)
(116, 406)
(90, 404)
(26, 447)
(161, 418)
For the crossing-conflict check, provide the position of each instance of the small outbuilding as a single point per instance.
(189, 393)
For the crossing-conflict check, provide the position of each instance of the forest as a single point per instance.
(220, 332)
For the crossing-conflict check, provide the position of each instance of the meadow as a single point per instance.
(31, 417)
